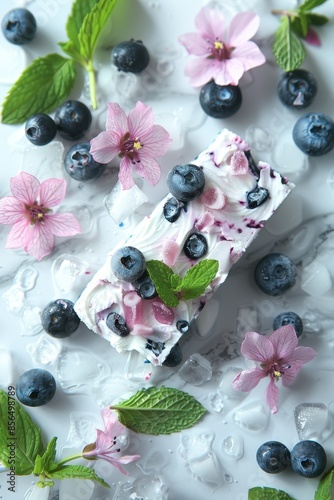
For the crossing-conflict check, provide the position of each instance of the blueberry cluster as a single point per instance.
(307, 458)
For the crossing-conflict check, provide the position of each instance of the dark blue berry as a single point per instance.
(155, 346)
(256, 197)
(308, 458)
(35, 387)
(128, 264)
(80, 165)
(220, 101)
(314, 134)
(19, 26)
(73, 119)
(117, 324)
(172, 209)
(289, 318)
(297, 88)
(182, 325)
(40, 129)
(195, 246)
(174, 357)
(59, 318)
(275, 274)
(130, 56)
(273, 457)
(186, 182)
(144, 286)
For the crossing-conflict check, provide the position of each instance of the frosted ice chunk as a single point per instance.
(111, 390)
(196, 370)
(288, 216)
(258, 139)
(313, 421)
(225, 388)
(121, 203)
(6, 369)
(233, 446)
(291, 160)
(253, 416)
(34, 159)
(84, 216)
(315, 279)
(45, 350)
(82, 429)
(30, 317)
(70, 275)
(14, 299)
(146, 486)
(207, 318)
(216, 402)
(26, 278)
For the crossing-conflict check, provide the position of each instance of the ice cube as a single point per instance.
(26, 278)
(45, 350)
(233, 446)
(313, 421)
(253, 416)
(37, 493)
(70, 275)
(145, 486)
(196, 370)
(30, 317)
(121, 203)
(315, 279)
(248, 320)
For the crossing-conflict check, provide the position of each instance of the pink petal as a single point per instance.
(111, 423)
(210, 23)
(242, 28)
(116, 119)
(62, 224)
(284, 341)
(125, 173)
(20, 234)
(156, 142)
(140, 121)
(228, 72)
(290, 373)
(272, 395)
(52, 192)
(249, 55)
(105, 146)
(248, 379)
(149, 169)
(302, 355)
(257, 347)
(312, 37)
(25, 187)
(196, 44)
(11, 210)
(200, 71)
(41, 243)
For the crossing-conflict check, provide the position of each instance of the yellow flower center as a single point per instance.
(277, 374)
(137, 144)
(219, 45)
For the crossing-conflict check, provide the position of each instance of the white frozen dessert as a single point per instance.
(216, 206)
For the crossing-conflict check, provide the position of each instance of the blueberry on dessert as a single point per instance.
(19, 26)
(220, 101)
(172, 209)
(131, 56)
(256, 197)
(195, 246)
(275, 274)
(144, 286)
(273, 457)
(128, 264)
(40, 129)
(80, 165)
(314, 134)
(186, 182)
(289, 318)
(59, 318)
(35, 387)
(117, 324)
(308, 458)
(297, 88)
(73, 119)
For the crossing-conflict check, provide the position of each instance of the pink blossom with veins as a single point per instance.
(29, 211)
(279, 357)
(134, 139)
(223, 59)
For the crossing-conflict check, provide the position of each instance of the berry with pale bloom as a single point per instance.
(135, 140)
(29, 211)
(279, 358)
(223, 59)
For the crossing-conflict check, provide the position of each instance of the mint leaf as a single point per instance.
(175, 282)
(288, 50)
(74, 22)
(324, 488)
(159, 411)
(18, 433)
(316, 19)
(198, 278)
(161, 275)
(42, 86)
(45, 462)
(300, 25)
(265, 493)
(77, 472)
(310, 4)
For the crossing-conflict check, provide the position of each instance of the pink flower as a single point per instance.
(279, 358)
(105, 446)
(224, 61)
(28, 210)
(135, 140)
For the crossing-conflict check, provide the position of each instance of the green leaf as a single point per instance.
(324, 488)
(264, 493)
(299, 25)
(19, 435)
(317, 19)
(310, 4)
(92, 27)
(159, 411)
(288, 50)
(71, 50)
(77, 472)
(198, 278)
(43, 86)
(176, 282)
(75, 20)
(45, 462)
(161, 275)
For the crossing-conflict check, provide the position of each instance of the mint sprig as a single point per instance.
(325, 485)
(264, 493)
(288, 48)
(47, 82)
(171, 287)
(159, 411)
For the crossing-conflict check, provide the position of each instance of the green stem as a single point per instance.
(68, 459)
(92, 84)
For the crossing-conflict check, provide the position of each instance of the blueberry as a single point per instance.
(19, 26)
(308, 458)
(256, 197)
(128, 264)
(80, 165)
(313, 133)
(289, 318)
(73, 119)
(172, 209)
(144, 286)
(220, 101)
(117, 324)
(273, 457)
(40, 129)
(35, 387)
(275, 274)
(174, 357)
(186, 182)
(155, 346)
(182, 325)
(297, 88)
(195, 246)
(59, 318)
(130, 56)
